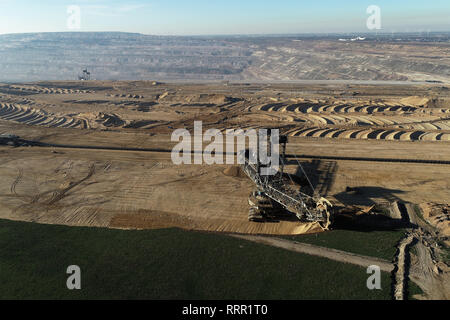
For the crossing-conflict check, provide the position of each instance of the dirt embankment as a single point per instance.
(401, 271)
(234, 171)
(427, 265)
(438, 216)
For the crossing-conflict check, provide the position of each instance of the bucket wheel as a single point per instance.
(323, 208)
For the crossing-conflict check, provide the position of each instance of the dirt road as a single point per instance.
(333, 254)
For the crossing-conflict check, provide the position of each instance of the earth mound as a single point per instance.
(234, 171)
(438, 215)
(415, 101)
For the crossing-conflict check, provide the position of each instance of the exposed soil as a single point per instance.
(138, 190)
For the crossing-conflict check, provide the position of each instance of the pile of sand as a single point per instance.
(88, 115)
(110, 120)
(415, 101)
(105, 119)
(163, 95)
(438, 103)
(234, 171)
(438, 215)
(125, 95)
(217, 99)
(213, 98)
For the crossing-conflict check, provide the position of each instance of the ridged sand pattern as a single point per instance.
(375, 121)
(393, 120)
(31, 116)
(373, 134)
(45, 90)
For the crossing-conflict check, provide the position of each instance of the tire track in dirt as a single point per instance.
(16, 182)
(60, 194)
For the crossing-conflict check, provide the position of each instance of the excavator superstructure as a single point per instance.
(276, 194)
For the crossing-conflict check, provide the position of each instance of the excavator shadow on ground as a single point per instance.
(321, 175)
(357, 210)
(373, 215)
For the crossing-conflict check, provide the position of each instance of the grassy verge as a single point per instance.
(166, 264)
(419, 214)
(445, 253)
(380, 244)
(413, 289)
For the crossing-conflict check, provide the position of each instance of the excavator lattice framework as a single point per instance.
(275, 189)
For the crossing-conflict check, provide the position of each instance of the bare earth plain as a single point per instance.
(135, 189)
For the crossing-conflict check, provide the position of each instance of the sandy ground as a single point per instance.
(123, 189)
(146, 190)
(127, 190)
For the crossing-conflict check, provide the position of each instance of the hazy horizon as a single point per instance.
(200, 17)
(242, 34)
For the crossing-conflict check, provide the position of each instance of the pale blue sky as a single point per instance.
(196, 17)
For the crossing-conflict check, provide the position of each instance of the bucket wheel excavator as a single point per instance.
(277, 196)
